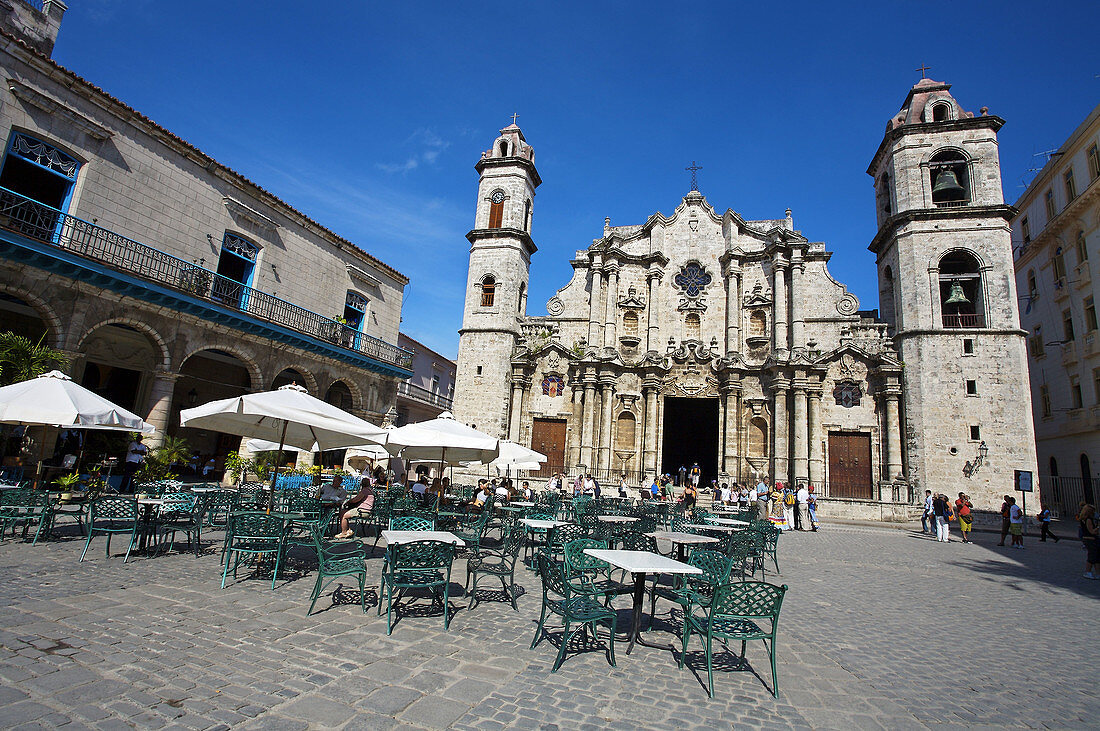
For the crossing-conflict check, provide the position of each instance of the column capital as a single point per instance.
(781, 384)
(612, 269)
(161, 375)
(654, 274)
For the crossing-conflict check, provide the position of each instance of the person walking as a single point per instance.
(789, 500)
(941, 508)
(802, 498)
(689, 497)
(1004, 520)
(681, 476)
(928, 519)
(964, 508)
(762, 499)
(1016, 523)
(1090, 536)
(694, 475)
(811, 508)
(1044, 517)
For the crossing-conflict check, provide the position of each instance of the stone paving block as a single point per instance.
(391, 700)
(317, 710)
(433, 711)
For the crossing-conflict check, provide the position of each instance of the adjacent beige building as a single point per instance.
(705, 336)
(168, 278)
(1056, 241)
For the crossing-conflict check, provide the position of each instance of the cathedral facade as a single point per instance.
(703, 337)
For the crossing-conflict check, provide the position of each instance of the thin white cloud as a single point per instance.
(427, 148)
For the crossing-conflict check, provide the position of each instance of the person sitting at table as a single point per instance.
(420, 488)
(527, 492)
(334, 492)
(481, 496)
(435, 492)
(362, 502)
(502, 489)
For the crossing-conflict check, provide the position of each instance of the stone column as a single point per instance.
(575, 426)
(798, 323)
(160, 406)
(780, 429)
(893, 436)
(610, 306)
(799, 429)
(649, 439)
(587, 451)
(607, 389)
(732, 403)
(516, 411)
(779, 291)
(660, 432)
(594, 305)
(813, 426)
(733, 310)
(652, 278)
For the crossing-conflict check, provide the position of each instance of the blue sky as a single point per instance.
(370, 116)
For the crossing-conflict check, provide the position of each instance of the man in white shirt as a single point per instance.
(421, 486)
(928, 518)
(589, 485)
(802, 497)
(724, 496)
(135, 455)
(1016, 523)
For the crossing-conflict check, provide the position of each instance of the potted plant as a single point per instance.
(67, 483)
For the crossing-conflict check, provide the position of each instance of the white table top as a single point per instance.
(701, 526)
(205, 489)
(616, 518)
(642, 562)
(522, 504)
(542, 524)
(677, 537)
(729, 521)
(151, 501)
(394, 537)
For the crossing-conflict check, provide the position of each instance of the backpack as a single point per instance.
(788, 499)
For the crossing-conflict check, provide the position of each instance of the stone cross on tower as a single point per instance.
(694, 181)
(514, 118)
(923, 68)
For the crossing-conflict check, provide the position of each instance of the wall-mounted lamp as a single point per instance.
(973, 466)
(192, 397)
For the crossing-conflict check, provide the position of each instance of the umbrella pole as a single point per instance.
(275, 472)
(41, 455)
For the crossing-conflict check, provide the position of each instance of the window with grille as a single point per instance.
(1025, 230)
(1082, 248)
(1044, 400)
(1090, 314)
(488, 291)
(1067, 326)
(1094, 163)
(1048, 201)
(1071, 187)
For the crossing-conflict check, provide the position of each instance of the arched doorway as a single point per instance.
(208, 375)
(288, 376)
(117, 362)
(339, 395)
(19, 317)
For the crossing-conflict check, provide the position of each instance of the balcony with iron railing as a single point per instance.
(69, 234)
(963, 320)
(423, 395)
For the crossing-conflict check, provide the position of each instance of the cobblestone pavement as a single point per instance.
(881, 628)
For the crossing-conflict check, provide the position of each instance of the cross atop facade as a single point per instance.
(694, 180)
(922, 69)
(514, 118)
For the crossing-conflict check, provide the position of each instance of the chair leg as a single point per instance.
(87, 542)
(363, 591)
(561, 651)
(133, 540)
(446, 605)
(225, 570)
(684, 643)
(710, 670)
(771, 654)
(538, 630)
(107, 550)
(315, 593)
(611, 641)
(389, 610)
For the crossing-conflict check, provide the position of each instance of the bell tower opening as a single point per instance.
(690, 436)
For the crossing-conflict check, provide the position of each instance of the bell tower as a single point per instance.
(947, 292)
(496, 283)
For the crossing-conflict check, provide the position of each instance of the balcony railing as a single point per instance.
(419, 393)
(49, 225)
(963, 320)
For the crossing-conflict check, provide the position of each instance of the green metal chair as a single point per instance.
(472, 529)
(411, 522)
(24, 506)
(76, 511)
(715, 566)
(417, 565)
(255, 534)
(591, 576)
(560, 598)
(336, 559)
(771, 543)
(500, 563)
(559, 536)
(736, 612)
(111, 515)
(182, 512)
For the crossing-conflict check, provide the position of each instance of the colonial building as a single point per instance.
(429, 391)
(706, 337)
(167, 278)
(1055, 236)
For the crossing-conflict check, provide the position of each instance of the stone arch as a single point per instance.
(248, 360)
(310, 380)
(53, 323)
(158, 340)
(353, 390)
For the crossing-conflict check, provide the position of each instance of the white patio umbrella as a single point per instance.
(514, 456)
(288, 414)
(262, 445)
(442, 440)
(55, 400)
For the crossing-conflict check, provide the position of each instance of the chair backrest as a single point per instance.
(113, 507)
(714, 564)
(256, 525)
(749, 600)
(411, 522)
(422, 555)
(637, 541)
(178, 502)
(552, 575)
(577, 561)
(540, 516)
(679, 523)
(304, 503)
(513, 541)
(562, 534)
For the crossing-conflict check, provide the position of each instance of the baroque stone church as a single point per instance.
(705, 337)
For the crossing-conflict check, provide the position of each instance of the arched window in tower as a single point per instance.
(488, 291)
(950, 178)
(496, 209)
(758, 324)
(961, 302)
(527, 216)
(504, 148)
(692, 326)
(521, 301)
(941, 112)
(886, 297)
(884, 194)
(630, 324)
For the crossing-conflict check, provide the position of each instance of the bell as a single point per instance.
(957, 296)
(947, 187)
